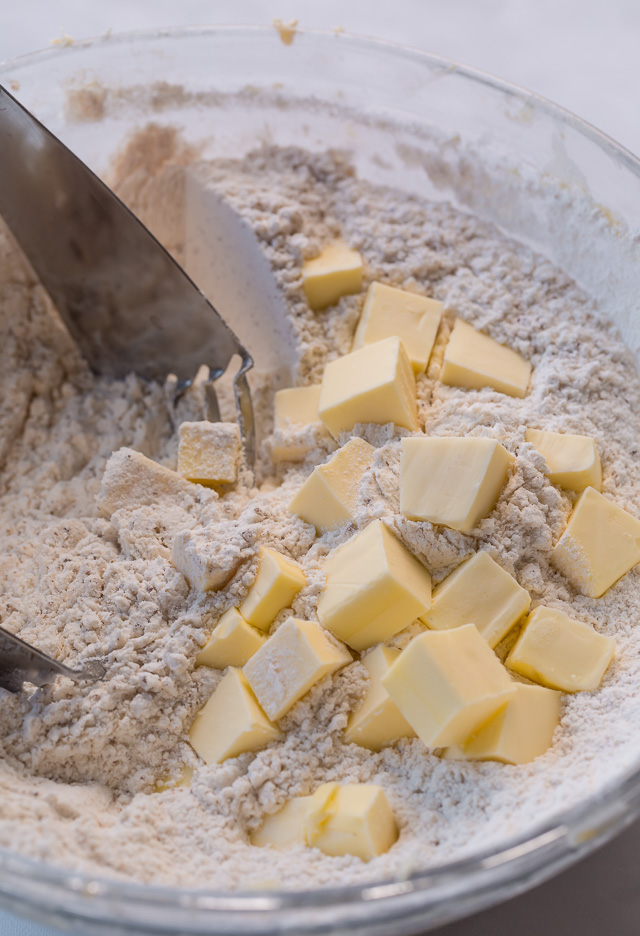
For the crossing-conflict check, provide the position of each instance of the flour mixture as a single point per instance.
(80, 764)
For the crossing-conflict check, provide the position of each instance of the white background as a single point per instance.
(584, 55)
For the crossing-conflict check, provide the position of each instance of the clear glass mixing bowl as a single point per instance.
(424, 125)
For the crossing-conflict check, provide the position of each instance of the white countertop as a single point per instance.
(584, 55)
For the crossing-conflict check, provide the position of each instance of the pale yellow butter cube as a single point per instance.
(209, 453)
(373, 385)
(335, 272)
(278, 582)
(329, 496)
(573, 460)
(561, 653)
(473, 360)
(296, 408)
(519, 732)
(285, 828)
(447, 684)
(389, 311)
(375, 588)
(601, 543)
(378, 721)
(478, 592)
(357, 820)
(452, 481)
(292, 661)
(231, 722)
(232, 643)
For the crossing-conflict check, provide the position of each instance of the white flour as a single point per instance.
(79, 763)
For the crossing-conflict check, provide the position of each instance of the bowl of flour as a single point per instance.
(520, 219)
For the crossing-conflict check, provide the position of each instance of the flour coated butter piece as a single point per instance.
(378, 721)
(285, 828)
(451, 481)
(573, 460)
(599, 546)
(132, 480)
(180, 780)
(561, 653)
(329, 496)
(277, 583)
(233, 642)
(390, 311)
(358, 820)
(295, 409)
(209, 452)
(206, 563)
(375, 384)
(375, 588)
(293, 660)
(232, 722)
(478, 592)
(521, 731)
(447, 684)
(474, 360)
(335, 272)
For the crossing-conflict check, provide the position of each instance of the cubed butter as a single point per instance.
(478, 592)
(231, 722)
(573, 460)
(519, 732)
(561, 653)
(474, 360)
(335, 272)
(601, 543)
(375, 384)
(209, 453)
(357, 820)
(296, 408)
(447, 684)
(378, 721)
(375, 588)
(278, 582)
(329, 496)
(292, 661)
(389, 311)
(232, 643)
(206, 562)
(451, 481)
(132, 480)
(285, 828)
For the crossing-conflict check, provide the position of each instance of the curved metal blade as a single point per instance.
(20, 663)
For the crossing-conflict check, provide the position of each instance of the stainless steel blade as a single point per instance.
(20, 663)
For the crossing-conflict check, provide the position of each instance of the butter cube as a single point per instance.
(519, 732)
(285, 828)
(474, 360)
(296, 408)
(209, 453)
(358, 821)
(375, 588)
(278, 582)
(561, 653)
(292, 661)
(335, 272)
(389, 311)
(601, 543)
(451, 481)
(573, 460)
(231, 722)
(447, 684)
(232, 643)
(132, 480)
(478, 592)
(375, 384)
(208, 562)
(378, 721)
(329, 496)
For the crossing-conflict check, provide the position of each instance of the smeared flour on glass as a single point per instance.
(79, 763)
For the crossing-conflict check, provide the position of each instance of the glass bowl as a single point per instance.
(428, 126)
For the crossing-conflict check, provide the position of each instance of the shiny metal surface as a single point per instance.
(126, 302)
(20, 663)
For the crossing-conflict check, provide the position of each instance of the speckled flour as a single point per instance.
(79, 763)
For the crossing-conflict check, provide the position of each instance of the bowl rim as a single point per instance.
(562, 839)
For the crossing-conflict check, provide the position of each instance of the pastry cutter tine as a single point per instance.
(126, 302)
